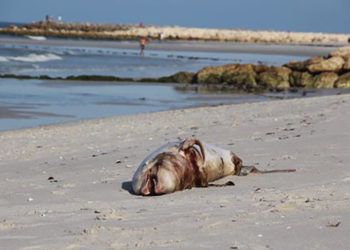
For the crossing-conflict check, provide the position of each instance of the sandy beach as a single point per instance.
(67, 186)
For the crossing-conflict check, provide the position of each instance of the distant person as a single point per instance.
(141, 25)
(143, 42)
(47, 18)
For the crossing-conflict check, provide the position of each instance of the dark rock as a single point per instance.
(97, 78)
(150, 80)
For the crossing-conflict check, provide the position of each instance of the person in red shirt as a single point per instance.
(143, 42)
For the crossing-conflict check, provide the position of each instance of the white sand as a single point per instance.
(89, 208)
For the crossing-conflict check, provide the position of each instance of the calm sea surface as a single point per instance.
(28, 103)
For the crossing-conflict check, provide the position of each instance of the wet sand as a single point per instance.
(67, 186)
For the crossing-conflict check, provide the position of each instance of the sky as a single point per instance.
(291, 15)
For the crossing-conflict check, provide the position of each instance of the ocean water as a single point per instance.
(29, 103)
(65, 59)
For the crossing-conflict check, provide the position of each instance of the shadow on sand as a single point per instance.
(127, 185)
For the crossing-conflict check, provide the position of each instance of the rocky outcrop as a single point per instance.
(301, 79)
(317, 72)
(343, 81)
(240, 76)
(276, 78)
(180, 77)
(324, 80)
(333, 64)
(346, 66)
(342, 52)
(209, 75)
(299, 66)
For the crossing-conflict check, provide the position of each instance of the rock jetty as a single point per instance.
(122, 32)
(332, 71)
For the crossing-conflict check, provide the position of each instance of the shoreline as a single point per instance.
(192, 46)
(67, 186)
(18, 113)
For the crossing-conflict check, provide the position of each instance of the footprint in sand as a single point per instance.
(110, 214)
(6, 225)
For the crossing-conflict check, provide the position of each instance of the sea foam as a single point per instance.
(32, 58)
(37, 38)
(3, 59)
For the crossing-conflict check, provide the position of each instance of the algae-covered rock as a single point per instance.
(297, 65)
(212, 75)
(301, 79)
(346, 66)
(242, 77)
(314, 60)
(183, 77)
(325, 80)
(306, 80)
(179, 77)
(332, 64)
(343, 81)
(343, 51)
(97, 78)
(209, 75)
(276, 78)
(259, 68)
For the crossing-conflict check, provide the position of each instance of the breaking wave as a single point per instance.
(31, 58)
(37, 38)
(3, 59)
